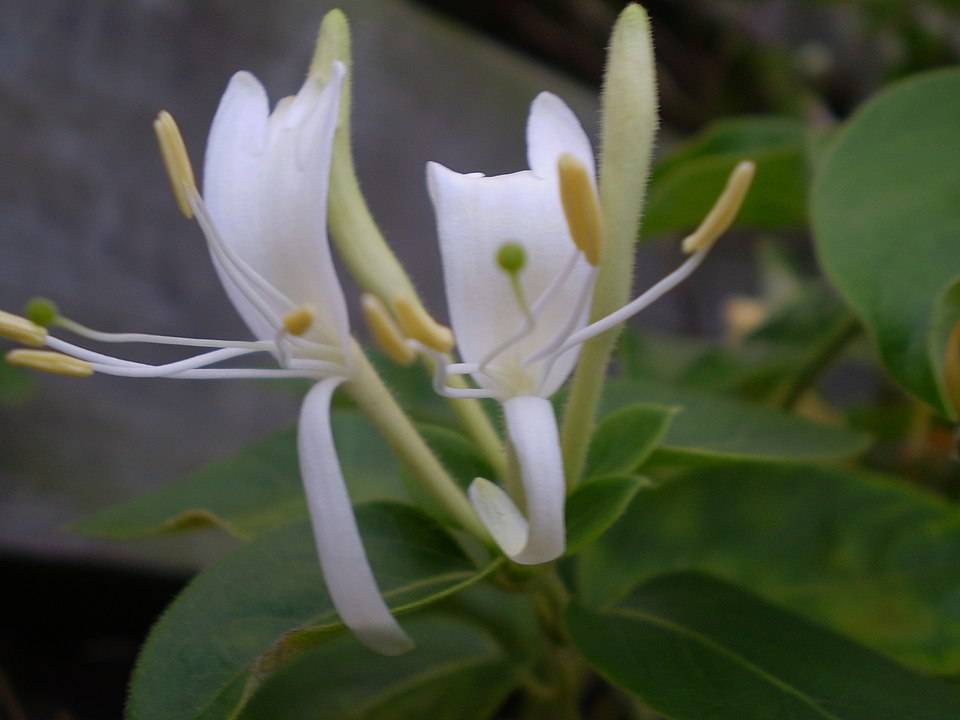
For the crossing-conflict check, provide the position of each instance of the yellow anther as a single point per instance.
(298, 321)
(580, 206)
(417, 324)
(384, 330)
(724, 210)
(176, 160)
(50, 362)
(21, 330)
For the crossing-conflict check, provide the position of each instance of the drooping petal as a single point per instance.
(552, 130)
(533, 433)
(347, 572)
(475, 216)
(499, 515)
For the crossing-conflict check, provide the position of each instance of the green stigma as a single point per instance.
(511, 257)
(41, 311)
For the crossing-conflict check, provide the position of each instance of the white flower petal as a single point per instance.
(346, 570)
(265, 183)
(552, 130)
(296, 256)
(499, 515)
(475, 216)
(231, 182)
(532, 428)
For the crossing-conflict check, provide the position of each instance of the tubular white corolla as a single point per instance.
(517, 352)
(263, 213)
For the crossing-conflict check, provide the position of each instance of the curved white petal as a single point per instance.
(346, 570)
(533, 433)
(231, 185)
(296, 178)
(265, 183)
(552, 130)
(499, 515)
(475, 216)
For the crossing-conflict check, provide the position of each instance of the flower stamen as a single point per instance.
(177, 161)
(385, 332)
(19, 329)
(724, 210)
(50, 362)
(580, 206)
(298, 321)
(417, 324)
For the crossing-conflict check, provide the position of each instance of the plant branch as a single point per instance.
(823, 355)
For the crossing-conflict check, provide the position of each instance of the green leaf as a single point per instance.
(625, 439)
(458, 671)
(711, 426)
(887, 226)
(595, 505)
(255, 490)
(265, 604)
(871, 557)
(694, 648)
(686, 183)
(802, 331)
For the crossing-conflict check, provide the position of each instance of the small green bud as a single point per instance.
(41, 311)
(511, 257)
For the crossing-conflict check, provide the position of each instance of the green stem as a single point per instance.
(359, 242)
(823, 355)
(579, 414)
(478, 426)
(378, 404)
(557, 697)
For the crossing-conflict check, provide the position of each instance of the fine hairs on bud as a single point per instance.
(176, 160)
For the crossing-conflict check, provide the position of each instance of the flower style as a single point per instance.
(263, 213)
(520, 255)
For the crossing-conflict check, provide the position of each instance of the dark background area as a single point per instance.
(78, 182)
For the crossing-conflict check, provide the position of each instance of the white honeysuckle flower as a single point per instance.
(264, 214)
(519, 256)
